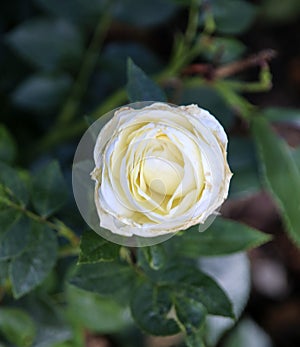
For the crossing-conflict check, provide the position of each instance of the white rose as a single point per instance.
(159, 169)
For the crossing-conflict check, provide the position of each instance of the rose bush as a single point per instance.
(159, 169)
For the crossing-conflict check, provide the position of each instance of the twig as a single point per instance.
(258, 59)
(211, 73)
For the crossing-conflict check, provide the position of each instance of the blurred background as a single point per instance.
(63, 63)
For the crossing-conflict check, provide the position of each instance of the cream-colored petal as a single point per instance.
(159, 169)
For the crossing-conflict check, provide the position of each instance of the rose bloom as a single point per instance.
(159, 169)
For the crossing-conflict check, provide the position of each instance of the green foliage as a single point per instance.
(143, 13)
(209, 98)
(242, 160)
(106, 278)
(27, 244)
(41, 93)
(12, 185)
(225, 49)
(62, 49)
(154, 292)
(296, 156)
(190, 313)
(281, 114)
(17, 327)
(156, 256)
(197, 286)
(278, 167)
(99, 314)
(77, 11)
(194, 340)
(191, 282)
(150, 306)
(51, 326)
(222, 237)
(48, 190)
(15, 239)
(94, 249)
(227, 15)
(4, 265)
(140, 87)
(7, 146)
(31, 267)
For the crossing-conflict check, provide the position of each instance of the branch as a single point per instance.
(259, 59)
(211, 73)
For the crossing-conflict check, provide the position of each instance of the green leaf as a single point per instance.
(41, 93)
(30, 268)
(49, 318)
(194, 340)
(17, 327)
(190, 282)
(242, 161)
(211, 100)
(113, 62)
(62, 48)
(8, 217)
(191, 313)
(296, 156)
(144, 13)
(140, 87)
(150, 306)
(223, 49)
(109, 279)
(102, 315)
(227, 15)
(16, 238)
(280, 173)
(282, 114)
(49, 191)
(155, 255)
(11, 181)
(78, 11)
(95, 249)
(194, 284)
(4, 265)
(222, 237)
(8, 148)
(48, 335)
